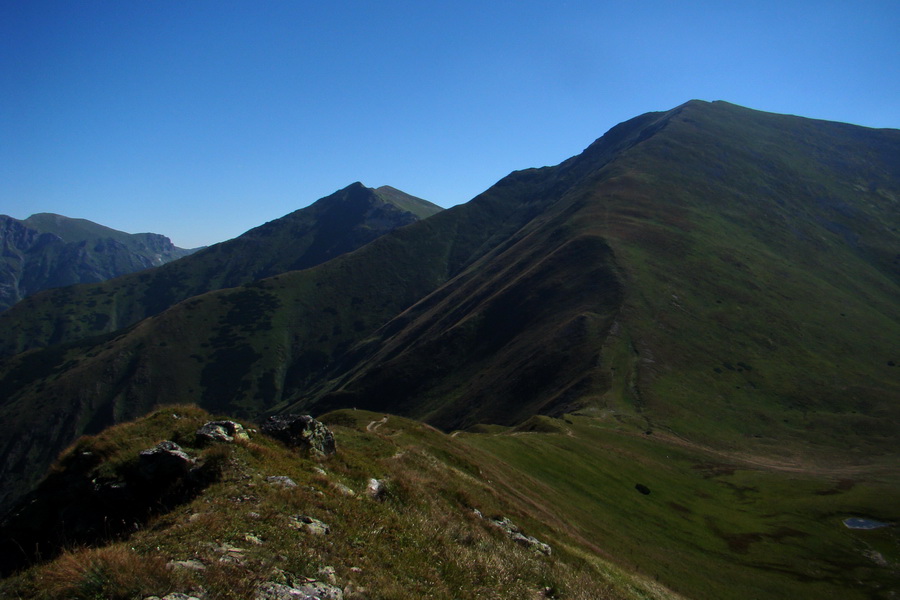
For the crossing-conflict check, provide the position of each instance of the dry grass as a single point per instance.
(112, 573)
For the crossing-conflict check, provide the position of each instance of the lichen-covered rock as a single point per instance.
(314, 590)
(375, 489)
(309, 525)
(300, 431)
(165, 462)
(282, 481)
(221, 431)
(516, 535)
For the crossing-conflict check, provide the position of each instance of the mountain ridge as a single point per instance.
(668, 267)
(47, 250)
(338, 223)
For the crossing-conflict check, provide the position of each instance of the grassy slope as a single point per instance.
(685, 268)
(339, 223)
(751, 296)
(423, 540)
(712, 526)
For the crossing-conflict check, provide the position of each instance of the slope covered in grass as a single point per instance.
(332, 226)
(720, 274)
(625, 514)
(420, 537)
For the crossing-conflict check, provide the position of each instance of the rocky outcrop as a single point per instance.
(164, 463)
(301, 431)
(515, 534)
(49, 251)
(221, 431)
(313, 590)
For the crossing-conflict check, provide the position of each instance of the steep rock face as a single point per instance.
(336, 224)
(50, 251)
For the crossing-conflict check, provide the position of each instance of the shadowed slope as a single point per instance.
(721, 273)
(48, 251)
(339, 223)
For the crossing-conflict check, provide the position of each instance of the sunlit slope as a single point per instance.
(719, 273)
(731, 276)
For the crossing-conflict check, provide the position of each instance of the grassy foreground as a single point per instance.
(422, 539)
(628, 514)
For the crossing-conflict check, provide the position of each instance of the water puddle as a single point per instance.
(860, 523)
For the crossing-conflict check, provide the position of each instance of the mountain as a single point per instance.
(49, 251)
(704, 300)
(333, 225)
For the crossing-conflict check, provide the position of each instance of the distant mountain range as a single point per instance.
(49, 251)
(709, 277)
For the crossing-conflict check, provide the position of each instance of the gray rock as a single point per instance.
(309, 524)
(221, 431)
(327, 574)
(314, 590)
(516, 535)
(343, 489)
(300, 431)
(166, 461)
(375, 489)
(281, 480)
(188, 565)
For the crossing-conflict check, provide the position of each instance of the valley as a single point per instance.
(671, 358)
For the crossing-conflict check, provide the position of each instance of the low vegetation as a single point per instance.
(626, 514)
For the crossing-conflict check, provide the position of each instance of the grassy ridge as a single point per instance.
(334, 225)
(422, 539)
(712, 525)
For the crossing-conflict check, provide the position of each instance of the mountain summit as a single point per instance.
(707, 277)
(339, 223)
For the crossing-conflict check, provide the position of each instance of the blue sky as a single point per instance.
(201, 119)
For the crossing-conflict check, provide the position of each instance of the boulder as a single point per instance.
(165, 462)
(221, 431)
(300, 431)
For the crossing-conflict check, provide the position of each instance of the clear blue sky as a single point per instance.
(201, 119)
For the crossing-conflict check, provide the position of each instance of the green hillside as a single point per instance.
(708, 295)
(336, 224)
(630, 517)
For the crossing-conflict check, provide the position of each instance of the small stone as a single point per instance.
(282, 481)
(316, 590)
(515, 534)
(320, 471)
(179, 596)
(189, 565)
(343, 489)
(249, 537)
(309, 524)
(375, 489)
(327, 574)
(307, 591)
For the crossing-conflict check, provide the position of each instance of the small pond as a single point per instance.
(860, 523)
